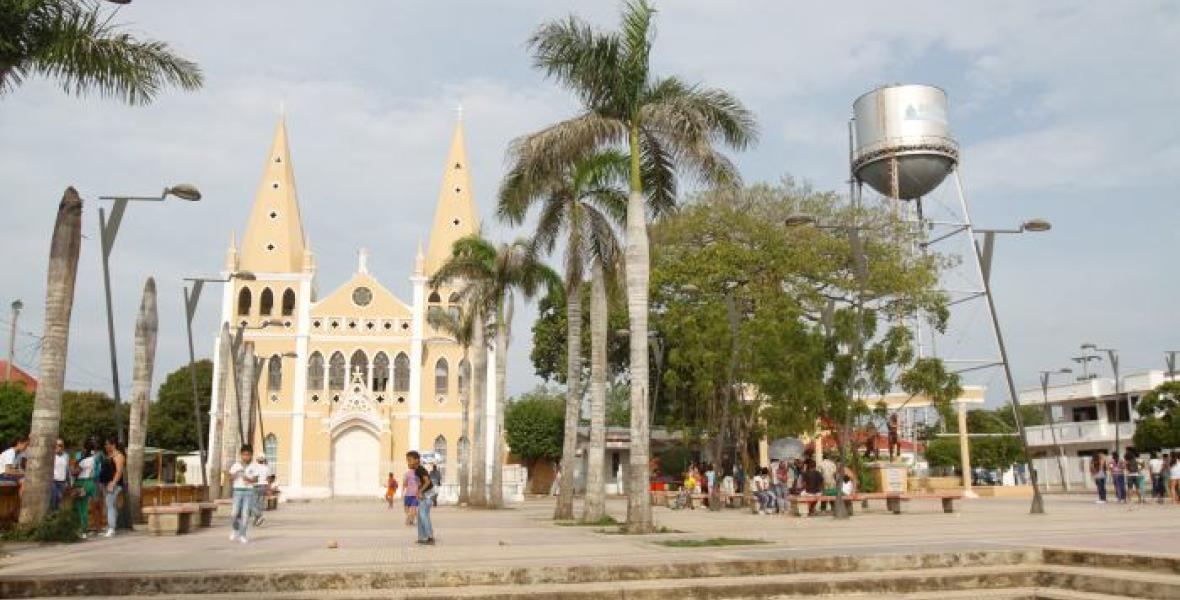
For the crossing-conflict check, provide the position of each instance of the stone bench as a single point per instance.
(174, 519)
(225, 506)
(892, 501)
(204, 511)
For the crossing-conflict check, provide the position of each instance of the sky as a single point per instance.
(1064, 111)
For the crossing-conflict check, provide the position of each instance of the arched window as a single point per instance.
(441, 375)
(464, 450)
(401, 373)
(244, 300)
(288, 302)
(380, 372)
(464, 380)
(434, 307)
(270, 447)
(434, 297)
(440, 452)
(266, 302)
(454, 298)
(315, 372)
(358, 363)
(336, 368)
(274, 374)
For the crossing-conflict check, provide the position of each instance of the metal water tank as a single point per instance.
(904, 147)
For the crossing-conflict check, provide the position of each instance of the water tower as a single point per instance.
(901, 146)
(904, 147)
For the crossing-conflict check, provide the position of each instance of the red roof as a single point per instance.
(18, 376)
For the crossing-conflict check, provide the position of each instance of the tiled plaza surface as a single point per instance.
(367, 536)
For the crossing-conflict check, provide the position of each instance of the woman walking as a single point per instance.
(1098, 474)
(1118, 472)
(84, 484)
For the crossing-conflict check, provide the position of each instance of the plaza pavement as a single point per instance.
(368, 536)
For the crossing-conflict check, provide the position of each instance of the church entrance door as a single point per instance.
(355, 456)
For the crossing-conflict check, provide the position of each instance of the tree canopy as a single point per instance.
(171, 422)
(1158, 425)
(534, 424)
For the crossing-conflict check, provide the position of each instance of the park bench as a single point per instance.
(204, 511)
(892, 500)
(225, 506)
(174, 519)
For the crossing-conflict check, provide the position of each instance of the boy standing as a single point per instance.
(426, 495)
(242, 473)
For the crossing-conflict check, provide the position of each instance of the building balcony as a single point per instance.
(1079, 432)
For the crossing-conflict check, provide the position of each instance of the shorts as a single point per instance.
(411, 501)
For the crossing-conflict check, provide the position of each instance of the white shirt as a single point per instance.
(847, 485)
(61, 466)
(86, 467)
(1155, 466)
(1175, 471)
(8, 459)
(259, 472)
(238, 475)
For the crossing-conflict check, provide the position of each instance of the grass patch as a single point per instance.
(623, 531)
(710, 543)
(605, 521)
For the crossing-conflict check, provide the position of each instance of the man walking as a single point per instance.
(426, 495)
(242, 473)
(61, 474)
(259, 471)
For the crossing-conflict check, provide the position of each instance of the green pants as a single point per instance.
(82, 502)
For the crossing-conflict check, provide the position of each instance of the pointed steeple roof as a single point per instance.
(454, 216)
(273, 241)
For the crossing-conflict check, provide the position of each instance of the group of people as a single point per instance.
(93, 473)
(772, 485)
(803, 477)
(1131, 473)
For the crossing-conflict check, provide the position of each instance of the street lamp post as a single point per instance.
(108, 229)
(657, 344)
(984, 254)
(861, 274)
(17, 305)
(1113, 355)
(1170, 360)
(1052, 427)
(191, 297)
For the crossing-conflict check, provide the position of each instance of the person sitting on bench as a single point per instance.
(813, 485)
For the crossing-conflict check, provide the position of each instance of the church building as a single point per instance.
(350, 381)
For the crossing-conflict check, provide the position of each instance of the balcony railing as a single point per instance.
(1078, 432)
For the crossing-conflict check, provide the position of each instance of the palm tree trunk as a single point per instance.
(573, 397)
(217, 429)
(503, 331)
(465, 449)
(146, 327)
(637, 266)
(595, 508)
(231, 430)
(59, 303)
(479, 378)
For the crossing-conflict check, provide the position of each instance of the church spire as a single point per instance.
(273, 241)
(454, 216)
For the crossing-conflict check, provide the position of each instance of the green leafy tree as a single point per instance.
(1158, 425)
(172, 426)
(89, 413)
(550, 350)
(16, 411)
(666, 125)
(78, 43)
(999, 452)
(535, 426)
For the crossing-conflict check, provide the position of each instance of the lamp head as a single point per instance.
(1036, 225)
(17, 305)
(184, 191)
(1089, 346)
(243, 276)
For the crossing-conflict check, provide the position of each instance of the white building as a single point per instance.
(1084, 421)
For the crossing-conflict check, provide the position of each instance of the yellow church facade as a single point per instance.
(349, 382)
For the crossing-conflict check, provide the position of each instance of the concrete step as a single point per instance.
(977, 583)
(1155, 563)
(263, 581)
(1113, 581)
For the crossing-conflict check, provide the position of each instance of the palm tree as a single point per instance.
(75, 42)
(462, 328)
(146, 326)
(665, 124)
(59, 303)
(581, 202)
(492, 275)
